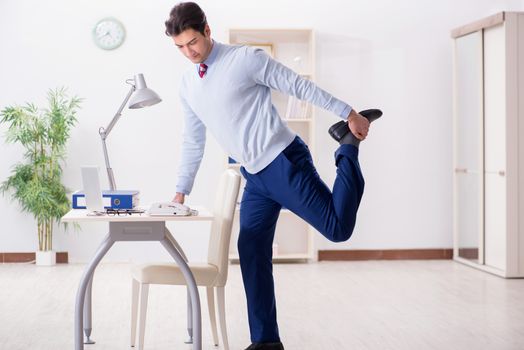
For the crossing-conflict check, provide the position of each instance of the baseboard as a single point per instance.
(385, 254)
(323, 255)
(469, 253)
(61, 257)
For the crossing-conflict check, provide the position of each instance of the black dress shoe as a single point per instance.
(339, 130)
(266, 346)
(371, 114)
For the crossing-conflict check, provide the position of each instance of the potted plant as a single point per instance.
(36, 182)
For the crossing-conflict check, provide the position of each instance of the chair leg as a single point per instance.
(212, 315)
(144, 292)
(221, 301)
(135, 289)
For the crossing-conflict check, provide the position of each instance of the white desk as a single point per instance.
(135, 227)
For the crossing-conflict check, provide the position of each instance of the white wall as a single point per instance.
(392, 55)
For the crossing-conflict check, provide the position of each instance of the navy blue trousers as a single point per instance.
(292, 181)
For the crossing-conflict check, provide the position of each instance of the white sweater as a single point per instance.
(233, 101)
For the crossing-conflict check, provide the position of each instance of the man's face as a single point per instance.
(195, 46)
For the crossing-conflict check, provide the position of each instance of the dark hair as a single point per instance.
(185, 15)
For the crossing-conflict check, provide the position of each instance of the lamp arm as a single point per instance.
(119, 112)
(105, 132)
(110, 175)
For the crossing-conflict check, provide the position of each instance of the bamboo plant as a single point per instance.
(36, 182)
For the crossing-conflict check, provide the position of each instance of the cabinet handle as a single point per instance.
(461, 170)
(500, 173)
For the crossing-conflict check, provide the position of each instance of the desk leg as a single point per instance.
(189, 319)
(192, 288)
(189, 308)
(88, 312)
(82, 289)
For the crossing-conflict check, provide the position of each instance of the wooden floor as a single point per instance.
(321, 306)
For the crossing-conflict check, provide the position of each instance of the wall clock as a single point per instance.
(109, 33)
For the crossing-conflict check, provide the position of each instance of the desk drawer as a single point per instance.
(137, 231)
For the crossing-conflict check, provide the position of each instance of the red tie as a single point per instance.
(202, 70)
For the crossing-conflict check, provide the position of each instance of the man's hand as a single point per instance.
(358, 125)
(179, 198)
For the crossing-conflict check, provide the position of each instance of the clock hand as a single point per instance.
(105, 34)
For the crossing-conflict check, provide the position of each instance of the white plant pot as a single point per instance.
(45, 258)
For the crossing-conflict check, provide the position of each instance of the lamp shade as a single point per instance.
(143, 96)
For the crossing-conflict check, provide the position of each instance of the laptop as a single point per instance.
(92, 190)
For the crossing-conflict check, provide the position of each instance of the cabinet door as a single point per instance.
(468, 159)
(495, 99)
(495, 146)
(495, 221)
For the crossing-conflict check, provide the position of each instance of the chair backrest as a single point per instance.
(224, 212)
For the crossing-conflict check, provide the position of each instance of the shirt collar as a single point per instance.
(212, 55)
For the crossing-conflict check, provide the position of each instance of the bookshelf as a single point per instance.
(294, 48)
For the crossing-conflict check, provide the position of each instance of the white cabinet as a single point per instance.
(295, 48)
(488, 144)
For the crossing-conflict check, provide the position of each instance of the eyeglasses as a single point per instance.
(123, 212)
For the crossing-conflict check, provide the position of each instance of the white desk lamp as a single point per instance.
(138, 96)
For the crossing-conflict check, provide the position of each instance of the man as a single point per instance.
(228, 92)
